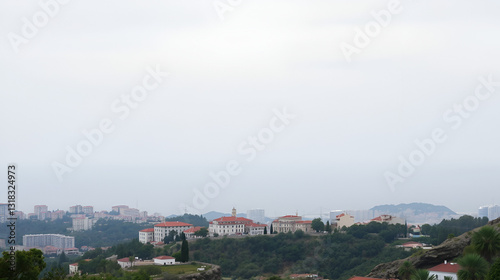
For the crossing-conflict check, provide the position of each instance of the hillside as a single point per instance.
(448, 250)
(417, 212)
(332, 256)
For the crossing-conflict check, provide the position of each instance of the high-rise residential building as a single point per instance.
(82, 223)
(257, 215)
(493, 212)
(77, 209)
(483, 212)
(490, 211)
(42, 240)
(118, 208)
(4, 212)
(39, 209)
(88, 210)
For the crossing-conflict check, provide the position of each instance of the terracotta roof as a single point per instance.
(147, 230)
(124, 260)
(164, 258)
(257, 225)
(193, 230)
(173, 224)
(74, 264)
(304, 222)
(448, 267)
(232, 219)
(290, 216)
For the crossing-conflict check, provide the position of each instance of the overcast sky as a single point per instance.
(235, 70)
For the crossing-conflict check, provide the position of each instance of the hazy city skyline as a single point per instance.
(285, 106)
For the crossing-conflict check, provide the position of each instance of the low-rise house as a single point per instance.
(411, 245)
(73, 269)
(190, 232)
(228, 225)
(256, 229)
(388, 219)
(164, 260)
(445, 269)
(124, 262)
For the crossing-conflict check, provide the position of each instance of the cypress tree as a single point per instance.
(184, 249)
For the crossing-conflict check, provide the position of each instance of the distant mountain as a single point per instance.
(416, 212)
(214, 215)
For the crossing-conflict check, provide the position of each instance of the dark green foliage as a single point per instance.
(29, 264)
(195, 220)
(422, 274)
(406, 270)
(265, 230)
(332, 256)
(473, 267)
(328, 227)
(202, 232)
(184, 249)
(439, 233)
(271, 229)
(318, 225)
(486, 242)
(494, 273)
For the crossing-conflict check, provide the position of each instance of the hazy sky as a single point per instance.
(329, 124)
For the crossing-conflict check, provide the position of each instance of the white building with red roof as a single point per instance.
(164, 260)
(291, 223)
(124, 262)
(163, 229)
(146, 235)
(228, 225)
(445, 269)
(190, 232)
(256, 229)
(73, 269)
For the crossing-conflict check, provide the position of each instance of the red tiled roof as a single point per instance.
(290, 216)
(193, 230)
(124, 260)
(164, 258)
(257, 225)
(304, 222)
(448, 267)
(173, 224)
(147, 230)
(232, 219)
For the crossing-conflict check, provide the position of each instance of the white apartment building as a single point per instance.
(163, 229)
(42, 240)
(256, 229)
(228, 225)
(146, 235)
(82, 223)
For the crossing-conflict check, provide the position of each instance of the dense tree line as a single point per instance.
(448, 228)
(333, 256)
(195, 220)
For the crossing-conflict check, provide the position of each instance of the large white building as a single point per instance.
(163, 229)
(256, 229)
(228, 225)
(291, 223)
(41, 240)
(82, 223)
(146, 235)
